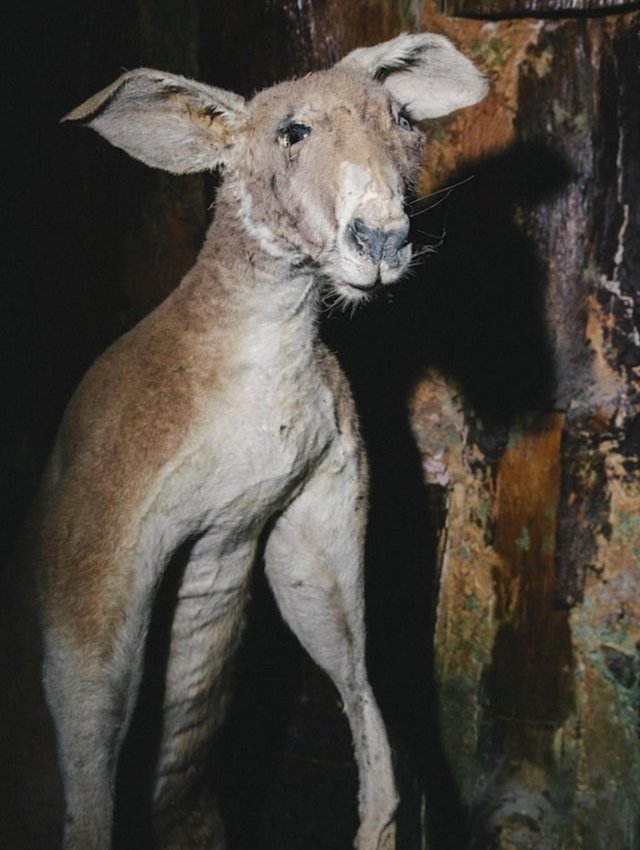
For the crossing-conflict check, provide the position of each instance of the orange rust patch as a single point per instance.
(530, 680)
(498, 49)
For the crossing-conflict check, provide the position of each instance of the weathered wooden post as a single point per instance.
(535, 449)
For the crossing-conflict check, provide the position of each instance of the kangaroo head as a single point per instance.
(319, 168)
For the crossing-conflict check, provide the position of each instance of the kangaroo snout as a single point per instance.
(377, 244)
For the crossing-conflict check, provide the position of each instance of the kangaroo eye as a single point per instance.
(292, 134)
(404, 120)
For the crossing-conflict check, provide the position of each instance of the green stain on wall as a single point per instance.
(523, 542)
(492, 52)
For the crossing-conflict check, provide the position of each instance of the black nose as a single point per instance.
(378, 244)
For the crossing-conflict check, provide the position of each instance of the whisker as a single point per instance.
(333, 300)
(421, 254)
(439, 237)
(443, 189)
(429, 248)
(431, 206)
(445, 192)
(424, 250)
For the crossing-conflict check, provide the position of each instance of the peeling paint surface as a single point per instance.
(538, 619)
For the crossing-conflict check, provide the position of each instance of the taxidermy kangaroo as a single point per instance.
(222, 415)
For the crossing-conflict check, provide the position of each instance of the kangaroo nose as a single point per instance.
(379, 245)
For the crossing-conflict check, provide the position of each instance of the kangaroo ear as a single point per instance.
(165, 120)
(425, 73)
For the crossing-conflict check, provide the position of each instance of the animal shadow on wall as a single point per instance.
(474, 310)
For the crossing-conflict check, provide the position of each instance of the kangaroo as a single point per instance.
(222, 419)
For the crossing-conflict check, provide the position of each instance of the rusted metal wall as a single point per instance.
(538, 621)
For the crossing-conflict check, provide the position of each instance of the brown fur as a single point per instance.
(222, 415)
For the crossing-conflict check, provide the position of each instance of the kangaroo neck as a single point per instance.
(254, 277)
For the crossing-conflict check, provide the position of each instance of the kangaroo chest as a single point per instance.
(257, 439)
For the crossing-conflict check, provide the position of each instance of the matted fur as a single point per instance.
(222, 415)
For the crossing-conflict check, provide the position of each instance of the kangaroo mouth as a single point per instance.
(355, 276)
(370, 277)
(370, 288)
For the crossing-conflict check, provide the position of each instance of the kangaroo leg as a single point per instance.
(314, 565)
(204, 635)
(91, 684)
